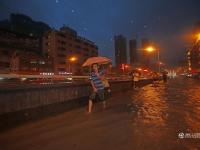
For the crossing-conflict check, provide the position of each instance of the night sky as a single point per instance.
(162, 21)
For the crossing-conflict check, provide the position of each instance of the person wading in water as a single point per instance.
(97, 86)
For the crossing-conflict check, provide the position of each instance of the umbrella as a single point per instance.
(98, 60)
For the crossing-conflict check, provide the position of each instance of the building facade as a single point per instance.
(63, 44)
(30, 63)
(133, 51)
(11, 42)
(120, 50)
(193, 55)
(5, 60)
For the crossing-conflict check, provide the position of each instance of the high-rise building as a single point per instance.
(120, 50)
(145, 42)
(133, 51)
(64, 44)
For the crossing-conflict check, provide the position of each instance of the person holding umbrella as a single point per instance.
(96, 79)
(97, 87)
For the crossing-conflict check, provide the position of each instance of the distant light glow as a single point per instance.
(23, 79)
(69, 78)
(150, 49)
(72, 59)
(198, 37)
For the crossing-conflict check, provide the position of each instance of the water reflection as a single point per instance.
(165, 110)
(192, 116)
(152, 107)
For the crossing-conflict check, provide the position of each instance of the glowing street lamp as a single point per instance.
(198, 37)
(71, 60)
(150, 49)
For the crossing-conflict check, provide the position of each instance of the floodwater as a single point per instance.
(167, 115)
(164, 116)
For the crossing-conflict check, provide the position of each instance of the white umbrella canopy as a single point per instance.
(96, 60)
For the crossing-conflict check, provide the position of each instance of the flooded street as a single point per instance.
(164, 112)
(164, 116)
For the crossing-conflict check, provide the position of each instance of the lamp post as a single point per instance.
(151, 49)
(71, 60)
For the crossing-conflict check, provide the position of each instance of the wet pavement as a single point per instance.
(164, 112)
(161, 116)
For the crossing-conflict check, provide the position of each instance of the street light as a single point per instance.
(151, 49)
(198, 37)
(71, 60)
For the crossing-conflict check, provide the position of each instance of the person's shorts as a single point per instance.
(99, 94)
